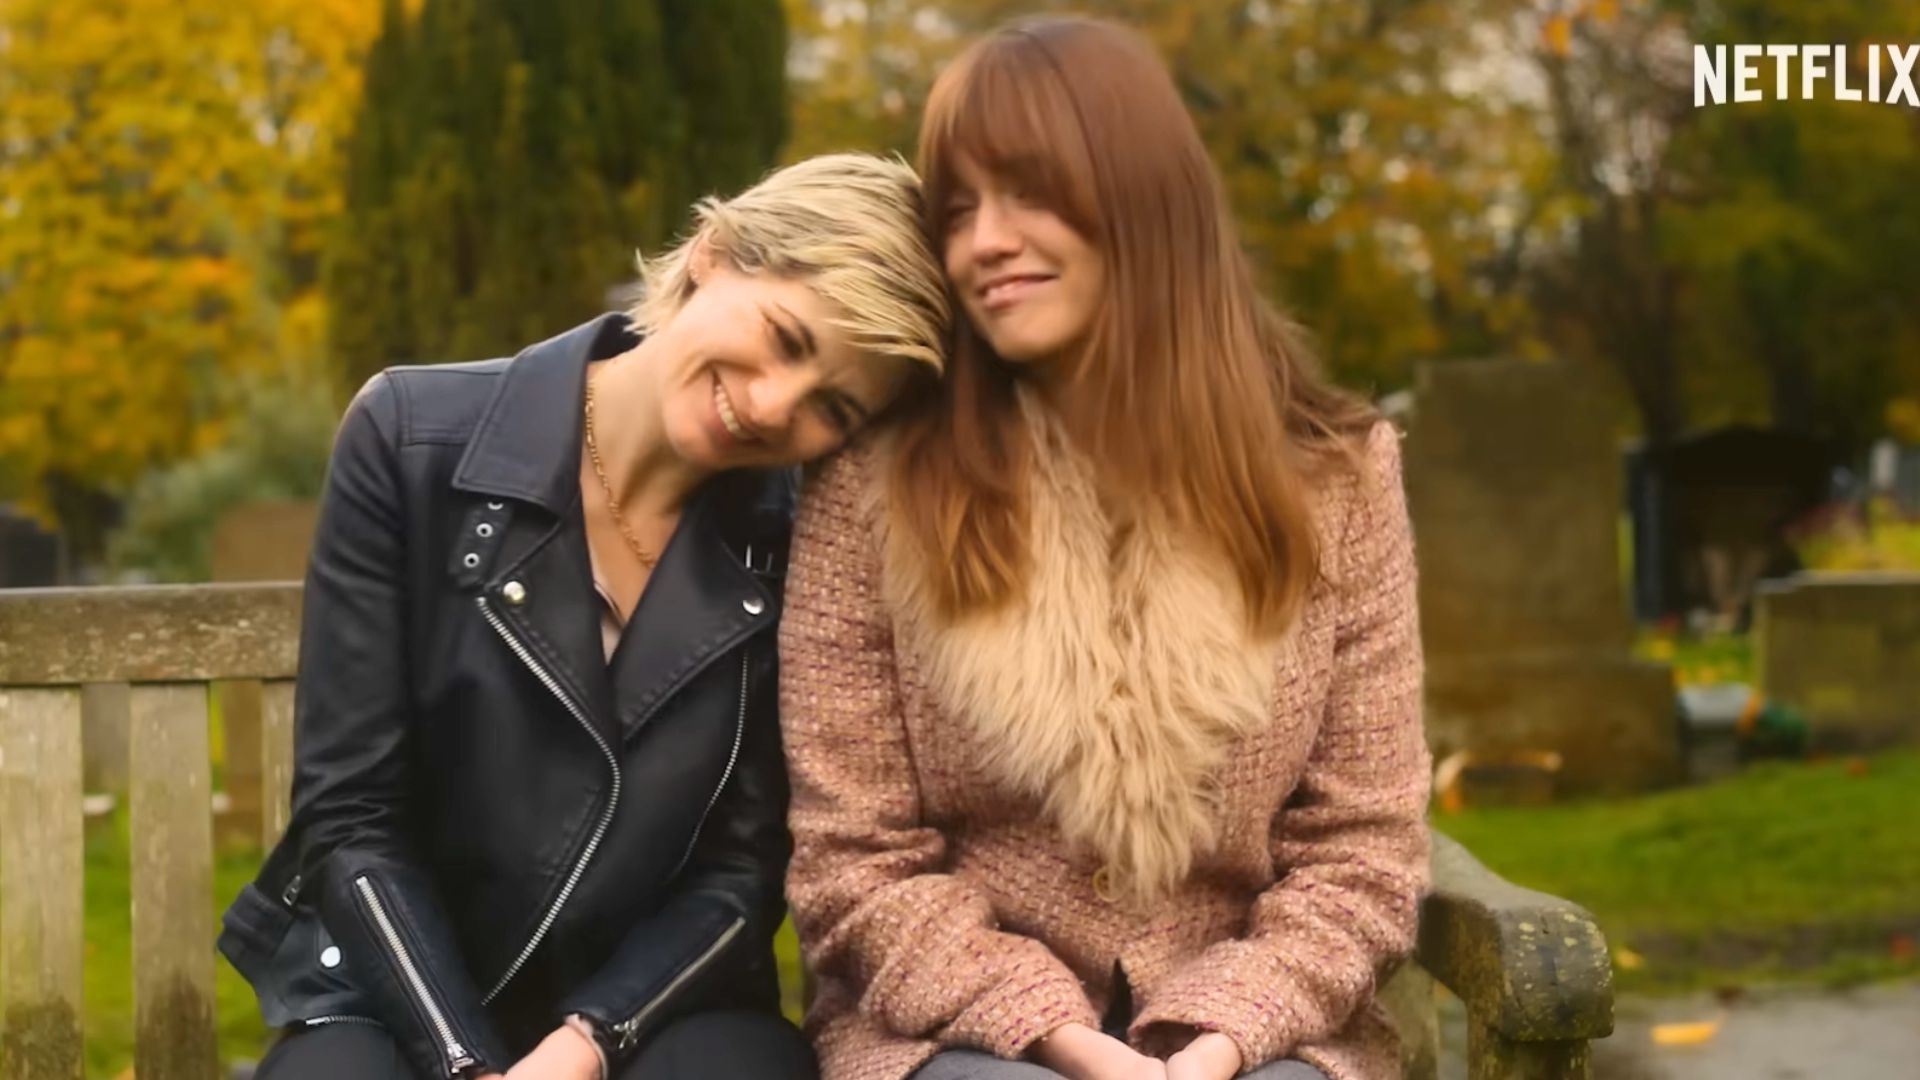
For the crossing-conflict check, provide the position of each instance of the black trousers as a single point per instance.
(704, 1046)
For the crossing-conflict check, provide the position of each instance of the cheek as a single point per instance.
(956, 259)
(1092, 289)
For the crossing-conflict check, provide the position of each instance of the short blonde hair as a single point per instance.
(851, 226)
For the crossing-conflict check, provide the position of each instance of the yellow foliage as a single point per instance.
(1903, 419)
(168, 173)
(1881, 540)
(1556, 34)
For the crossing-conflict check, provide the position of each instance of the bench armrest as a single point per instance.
(1532, 970)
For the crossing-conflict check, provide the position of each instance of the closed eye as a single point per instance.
(784, 339)
(841, 412)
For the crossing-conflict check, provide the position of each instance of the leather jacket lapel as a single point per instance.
(546, 597)
(700, 602)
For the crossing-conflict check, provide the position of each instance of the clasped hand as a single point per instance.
(1078, 1052)
(563, 1055)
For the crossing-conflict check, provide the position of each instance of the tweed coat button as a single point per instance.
(1103, 884)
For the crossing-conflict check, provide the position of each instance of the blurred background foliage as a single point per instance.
(200, 197)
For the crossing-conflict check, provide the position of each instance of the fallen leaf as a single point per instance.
(1690, 1034)
(1856, 766)
(1900, 947)
(1627, 960)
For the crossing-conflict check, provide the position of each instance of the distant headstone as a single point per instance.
(1514, 490)
(1893, 472)
(30, 556)
(264, 541)
(1844, 650)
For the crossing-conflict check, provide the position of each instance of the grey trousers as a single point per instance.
(973, 1065)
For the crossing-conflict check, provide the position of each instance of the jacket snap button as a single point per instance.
(330, 956)
(515, 593)
(496, 506)
(469, 560)
(754, 605)
(485, 530)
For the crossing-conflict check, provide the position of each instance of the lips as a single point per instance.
(1009, 289)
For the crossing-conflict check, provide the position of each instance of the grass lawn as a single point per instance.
(1804, 871)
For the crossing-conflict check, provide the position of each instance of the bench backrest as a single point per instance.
(157, 653)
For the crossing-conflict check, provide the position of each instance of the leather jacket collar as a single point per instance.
(718, 574)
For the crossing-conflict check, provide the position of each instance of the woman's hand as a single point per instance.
(563, 1055)
(1078, 1052)
(1210, 1056)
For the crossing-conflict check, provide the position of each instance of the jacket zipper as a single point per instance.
(321, 1021)
(630, 1026)
(606, 812)
(733, 758)
(458, 1060)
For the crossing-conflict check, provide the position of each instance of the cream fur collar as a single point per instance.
(1115, 692)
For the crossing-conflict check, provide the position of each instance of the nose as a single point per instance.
(774, 396)
(992, 234)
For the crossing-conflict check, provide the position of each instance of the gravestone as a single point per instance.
(265, 541)
(30, 556)
(1514, 491)
(1844, 650)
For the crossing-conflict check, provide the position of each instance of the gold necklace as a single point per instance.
(613, 502)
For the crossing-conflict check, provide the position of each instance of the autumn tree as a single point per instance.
(1378, 172)
(1800, 230)
(166, 171)
(1746, 261)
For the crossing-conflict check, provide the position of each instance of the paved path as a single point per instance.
(1870, 1033)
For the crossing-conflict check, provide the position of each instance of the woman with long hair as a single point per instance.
(1101, 676)
(539, 806)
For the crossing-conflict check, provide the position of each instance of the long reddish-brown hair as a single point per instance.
(1193, 393)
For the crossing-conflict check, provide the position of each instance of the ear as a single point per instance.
(701, 258)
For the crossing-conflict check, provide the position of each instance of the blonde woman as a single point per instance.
(539, 812)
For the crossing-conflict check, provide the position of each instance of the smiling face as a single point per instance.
(1030, 282)
(761, 376)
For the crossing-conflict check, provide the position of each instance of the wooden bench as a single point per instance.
(1531, 970)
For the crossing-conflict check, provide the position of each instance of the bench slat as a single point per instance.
(172, 877)
(276, 751)
(239, 703)
(41, 931)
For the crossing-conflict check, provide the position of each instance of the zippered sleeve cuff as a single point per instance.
(661, 970)
(396, 942)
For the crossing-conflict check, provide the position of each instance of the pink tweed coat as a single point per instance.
(993, 816)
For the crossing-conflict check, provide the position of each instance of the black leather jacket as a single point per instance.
(493, 826)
